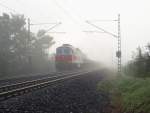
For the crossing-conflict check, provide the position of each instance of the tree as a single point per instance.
(140, 62)
(147, 57)
(41, 43)
(140, 65)
(15, 46)
(5, 43)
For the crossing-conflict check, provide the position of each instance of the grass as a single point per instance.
(135, 93)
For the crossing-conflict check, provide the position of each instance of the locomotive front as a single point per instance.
(66, 57)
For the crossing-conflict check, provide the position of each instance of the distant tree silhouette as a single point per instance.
(15, 46)
(41, 43)
(140, 65)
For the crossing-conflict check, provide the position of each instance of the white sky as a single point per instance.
(135, 24)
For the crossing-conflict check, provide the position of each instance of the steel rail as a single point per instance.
(38, 85)
(31, 75)
(31, 82)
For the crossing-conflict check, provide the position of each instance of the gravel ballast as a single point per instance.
(73, 96)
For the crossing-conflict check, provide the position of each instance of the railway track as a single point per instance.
(23, 78)
(13, 90)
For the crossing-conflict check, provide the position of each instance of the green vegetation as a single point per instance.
(130, 95)
(135, 93)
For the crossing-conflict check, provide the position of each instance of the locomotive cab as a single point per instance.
(67, 57)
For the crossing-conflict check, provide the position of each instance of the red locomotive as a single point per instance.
(68, 57)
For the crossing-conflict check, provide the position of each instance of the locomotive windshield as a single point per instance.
(67, 51)
(64, 51)
(59, 51)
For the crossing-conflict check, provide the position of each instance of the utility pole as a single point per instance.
(118, 53)
(28, 29)
(29, 45)
(118, 36)
(54, 25)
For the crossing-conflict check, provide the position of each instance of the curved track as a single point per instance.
(12, 90)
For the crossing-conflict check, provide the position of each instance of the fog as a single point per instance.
(72, 14)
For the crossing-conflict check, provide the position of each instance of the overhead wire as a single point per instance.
(40, 24)
(13, 10)
(64, 10)
(1, 4)
(21, 4)
(17, 12)
(56, 3)
(67, 13)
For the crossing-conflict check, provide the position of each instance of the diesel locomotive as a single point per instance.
(68, 57)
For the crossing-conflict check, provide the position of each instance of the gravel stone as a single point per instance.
(73, 96)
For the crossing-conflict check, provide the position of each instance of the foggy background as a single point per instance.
(73, 14)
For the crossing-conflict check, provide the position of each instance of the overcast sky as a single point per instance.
(135, 23)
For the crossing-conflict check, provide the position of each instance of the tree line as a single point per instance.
(139, 66)
(20, 54)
